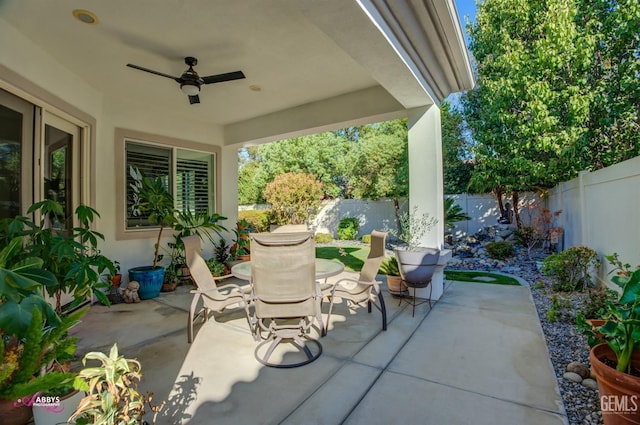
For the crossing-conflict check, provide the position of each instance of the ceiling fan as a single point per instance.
(190, 81)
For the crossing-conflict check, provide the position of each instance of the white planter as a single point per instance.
(57, 412)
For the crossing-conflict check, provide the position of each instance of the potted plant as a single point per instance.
(72, 256)
(116, 277)
(26, 372)
(112, 395)
(616, 363)
(56, 405)
(170, 278)
(216, 268)
(389, 267)
(151, 198)
(241, 249)
(412, 228)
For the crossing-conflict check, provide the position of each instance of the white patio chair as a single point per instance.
(214, 298)
(285, 296)
(365, 288)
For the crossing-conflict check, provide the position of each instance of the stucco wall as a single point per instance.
(44, 73)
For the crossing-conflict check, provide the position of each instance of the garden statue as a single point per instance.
(130, 293)
(507, 215)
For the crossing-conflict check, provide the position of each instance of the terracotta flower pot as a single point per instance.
(395, 285)
(12, 415)
(619, 392)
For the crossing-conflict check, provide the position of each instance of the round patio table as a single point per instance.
(324, 269)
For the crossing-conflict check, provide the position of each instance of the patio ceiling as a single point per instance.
(294, 53)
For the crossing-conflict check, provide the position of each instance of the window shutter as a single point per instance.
(193, 181)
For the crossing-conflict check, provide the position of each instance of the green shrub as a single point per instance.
(525, 237)
(348, 228)
(323, 238)
(499, 250)
(561, 309)
(258, 219)
(293, 197)
(389, 266)
(595, 307)
(571, 269)
(366, 239)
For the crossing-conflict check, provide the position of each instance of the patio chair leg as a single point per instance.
(383, 310)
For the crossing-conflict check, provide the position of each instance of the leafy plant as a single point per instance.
(21, 283)
(215, 267)
(413, 227)
(72, 256)
(221, 250)
(595, 307)
(499, 250)
(571, 269)
(622, 327)
(453, 213)
(366, 239)
(242, 243)
(112, 391)
(258, 219)
(389, 266)
(151, 198)
(348, 228)
(561, 309)
(25, 357)
(293, 197)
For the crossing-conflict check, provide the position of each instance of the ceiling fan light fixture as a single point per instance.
(190, 89)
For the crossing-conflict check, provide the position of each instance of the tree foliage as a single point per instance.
(293, 197)
(557, 91)
(456, 150)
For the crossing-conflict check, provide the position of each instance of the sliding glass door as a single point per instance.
(16, 155)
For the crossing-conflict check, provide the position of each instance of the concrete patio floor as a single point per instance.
(478, 356)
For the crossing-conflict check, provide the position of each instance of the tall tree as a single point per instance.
(528, 110)
(612, 27)
(456, 150)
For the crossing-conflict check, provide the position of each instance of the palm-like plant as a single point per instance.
(453, 213)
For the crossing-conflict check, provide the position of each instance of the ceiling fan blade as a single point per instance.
(194, 99)
(151, 71)
(220, 78)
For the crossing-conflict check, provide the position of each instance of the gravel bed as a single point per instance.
(564, 342)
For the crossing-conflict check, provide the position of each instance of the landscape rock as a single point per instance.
(573, 377)
(579, 368)
(590, 383)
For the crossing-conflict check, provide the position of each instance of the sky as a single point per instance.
(466, 8)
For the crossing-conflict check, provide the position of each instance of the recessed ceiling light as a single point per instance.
(255, 87)
(85, 16)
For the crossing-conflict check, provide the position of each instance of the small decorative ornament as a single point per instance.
(130, 293)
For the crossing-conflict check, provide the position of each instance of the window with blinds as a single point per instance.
(193, 181)
(191, 184)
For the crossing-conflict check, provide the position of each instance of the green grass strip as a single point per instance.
(480, 277)
(352, 257)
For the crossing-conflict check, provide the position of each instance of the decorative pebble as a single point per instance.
(590, 383)
(573, 377)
